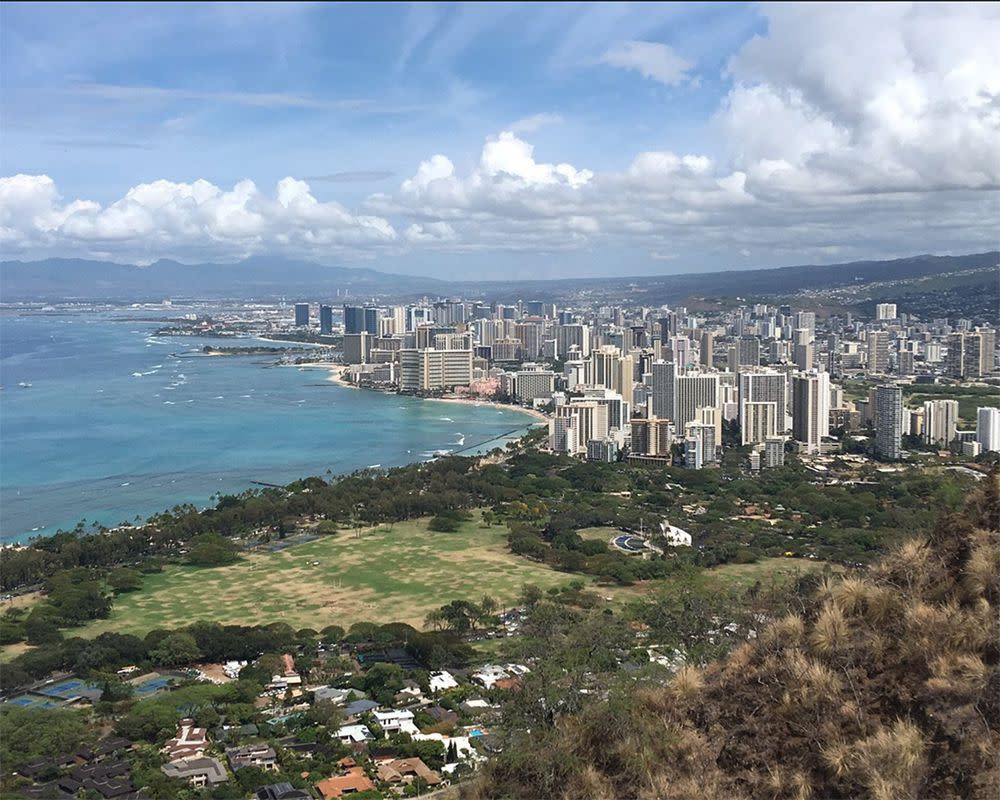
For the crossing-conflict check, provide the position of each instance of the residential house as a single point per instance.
(352, 781)
(281, 791)
(353, 734)
(395, 721)
(442, 714)
(252, 755)
(190, 741)
(356, 708)
(406, 770)
(198, 772)
(442, 681)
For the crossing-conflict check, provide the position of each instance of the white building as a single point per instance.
(940, 422)
(811, 409)
(988, 428)
(885, 311)
(430, 370)
(442, 681)
(393, 721)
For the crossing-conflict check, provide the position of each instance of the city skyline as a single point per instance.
(633, 140)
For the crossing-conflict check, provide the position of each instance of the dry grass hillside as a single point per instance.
(887, 687)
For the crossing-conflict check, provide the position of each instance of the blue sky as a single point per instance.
(756, 120)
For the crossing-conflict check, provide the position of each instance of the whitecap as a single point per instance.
(127, 483)
(168, 402)
(219, 397)
(446, 419)
(136, 374)
(245, 396)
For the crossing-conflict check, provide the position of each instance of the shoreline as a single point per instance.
(337, 376)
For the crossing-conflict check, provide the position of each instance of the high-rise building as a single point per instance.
(774, 451)
(664, 389)
(878, 352)
(706, 349)
(807, 320)
(694, 391)
(354, 319)
(651, 436)
(747, 353)
(431, 370)
(987, 350)
(907, 363)
(588, 421)
(693, 452)
(810, 409)
(988, 428)
(885, 311)
(971, 354)
(609, 368)
(568, 336)
(325, 320)
(756, 388)
(940, 422)
(534, 384)
(357, 347)
(888, 422)
(372, 316)
(802, 355)
(833, 363)
(758, 421)
(301, 315)
(619, 409)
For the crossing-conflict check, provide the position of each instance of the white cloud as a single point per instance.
(653, 60)
(869, 98)
(168, 219)
(852, 131)
(534, 122)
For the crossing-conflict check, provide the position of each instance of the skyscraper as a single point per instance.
(878, 352)
(888, 422)
(885, 311)
(354, 319)
(756, 388)
(664, 389)
(301, 315)
(811, 409)
(988, 428)
(706, 349)
(940, 422)
(325, 320)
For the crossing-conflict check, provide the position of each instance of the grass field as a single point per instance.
(773, 569)
(395, 574)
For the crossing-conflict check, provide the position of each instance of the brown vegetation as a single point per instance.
(886, 687)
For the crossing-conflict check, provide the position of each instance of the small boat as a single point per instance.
(24, 385)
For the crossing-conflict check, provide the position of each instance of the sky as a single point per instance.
(499, 140)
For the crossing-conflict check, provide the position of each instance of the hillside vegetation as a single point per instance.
(886, 686)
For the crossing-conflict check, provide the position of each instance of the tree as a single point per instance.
(124, 580)
(325, 713)
(530, 595)
(177, 649)
(211, 550)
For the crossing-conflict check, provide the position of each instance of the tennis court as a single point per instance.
(150, 686)
(31, 701)
(72, 687)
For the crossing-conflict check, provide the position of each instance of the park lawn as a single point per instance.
(394, 573)
(600, 534)
(768, 569)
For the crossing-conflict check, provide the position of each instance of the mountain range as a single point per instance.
(263, 277)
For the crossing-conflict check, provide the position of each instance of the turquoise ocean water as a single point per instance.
(118, 422)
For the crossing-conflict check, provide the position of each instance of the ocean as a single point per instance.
(118, 423)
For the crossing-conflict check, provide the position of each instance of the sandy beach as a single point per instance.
(337, 376)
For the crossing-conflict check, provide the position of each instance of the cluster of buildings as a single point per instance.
(661, 384)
